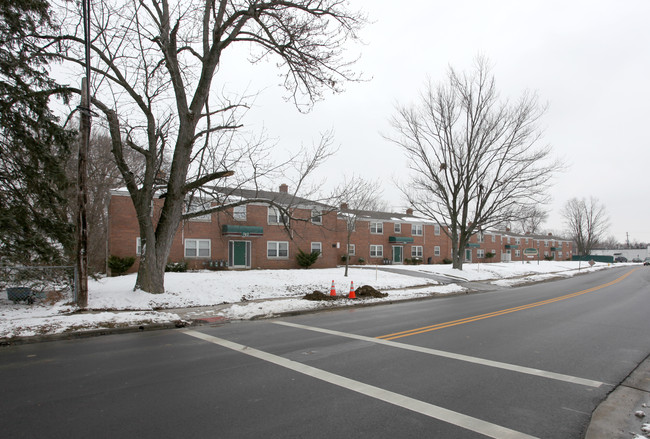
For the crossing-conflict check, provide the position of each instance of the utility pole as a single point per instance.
(82, 197)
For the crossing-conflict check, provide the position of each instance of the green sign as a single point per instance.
(531, 252)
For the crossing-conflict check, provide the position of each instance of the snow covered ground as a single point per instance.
(254, 293)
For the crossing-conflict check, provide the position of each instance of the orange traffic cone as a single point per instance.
(352, 295)
(332, 290)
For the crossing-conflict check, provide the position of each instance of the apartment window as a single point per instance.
(494, 238)
(480, 253)
(517, 252)
(480, 237)
(376, 228)
(376, 251)
(275, 217)
(436, 250)
(352, 249)
(239, 213)
(416, 251)
(316, 216)
(436, 229)
(398, 228)
(416, 229)
(277, 250)
(545, 243)
(194, 207)
(518, 241)
(317, 247)
(197, 248)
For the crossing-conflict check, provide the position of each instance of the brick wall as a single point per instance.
(331, 234)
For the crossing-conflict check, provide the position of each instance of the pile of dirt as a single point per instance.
(319, 296)
(367, 291)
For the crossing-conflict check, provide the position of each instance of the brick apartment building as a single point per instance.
(255, 236)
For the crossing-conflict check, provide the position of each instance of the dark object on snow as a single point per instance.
(17, 294)
(318, 295)
(368, 291)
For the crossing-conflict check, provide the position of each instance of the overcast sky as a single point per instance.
(589, 60)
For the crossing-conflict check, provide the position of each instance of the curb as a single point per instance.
(616, 417)
(73, 335)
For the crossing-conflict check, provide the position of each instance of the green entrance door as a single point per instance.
(397, 254)
(468, 255)
(239, 253)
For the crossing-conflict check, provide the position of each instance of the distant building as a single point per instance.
(257, 235)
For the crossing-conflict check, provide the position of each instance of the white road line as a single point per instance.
(433, 411)
(460, 357)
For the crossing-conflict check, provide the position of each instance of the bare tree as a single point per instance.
(532, 219)
(587, 223)
(475, 160)
(360, 195)
(155, 64)
(610, 243)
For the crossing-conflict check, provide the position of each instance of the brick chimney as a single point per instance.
(409, 211)
(284, 188)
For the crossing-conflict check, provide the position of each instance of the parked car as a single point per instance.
(637, 260)
(646, 261)
(620, 259)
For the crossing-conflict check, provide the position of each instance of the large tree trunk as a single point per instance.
(456, 250)
(151, 273)
(457, 258)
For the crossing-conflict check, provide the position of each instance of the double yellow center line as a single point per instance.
(424, 329)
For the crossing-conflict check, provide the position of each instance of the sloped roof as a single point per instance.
(281, 198)
(384, 216)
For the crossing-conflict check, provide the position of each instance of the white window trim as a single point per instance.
(480, 253)
(319, 249)
(317, 216)
(417, 229)
(277, 216)
(436, 229)
(436, 250)
(207, 218)
(352, 249)
(198, 248)
(378, 250)
(398, 228)
(415, 253)
(237, 215)
(378, 226)
(276, 245)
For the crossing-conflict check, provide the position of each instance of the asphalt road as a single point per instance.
(520, 362)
